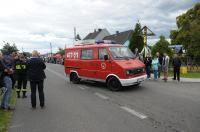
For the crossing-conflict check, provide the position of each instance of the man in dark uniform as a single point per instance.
(36, 75)
(147, 62)
(176, 62)
(21, 75)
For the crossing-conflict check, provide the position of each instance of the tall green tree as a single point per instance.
(188, 32)
(27, 54)
(137, 40)
(162, 47)
(8, 48)
(61, 51)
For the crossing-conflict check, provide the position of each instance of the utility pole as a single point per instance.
(74, 33)
(22, 50)
(51, 49)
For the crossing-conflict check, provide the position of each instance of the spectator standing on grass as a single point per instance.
(1, 71)
(36, 76)
(165, 66)
(155, 65)
(176, 62)
(7, 62)
(147, 62)
(160, 63)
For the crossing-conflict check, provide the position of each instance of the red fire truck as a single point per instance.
(104, 61)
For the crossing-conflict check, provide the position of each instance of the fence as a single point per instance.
(192, 64)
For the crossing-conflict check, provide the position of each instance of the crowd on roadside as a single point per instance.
(15, 70)
(55, 60)
(157, 64)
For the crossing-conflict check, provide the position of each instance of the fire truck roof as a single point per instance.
(94, 43)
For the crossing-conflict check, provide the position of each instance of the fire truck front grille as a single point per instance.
(136, 71)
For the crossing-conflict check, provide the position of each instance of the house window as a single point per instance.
(87, 54)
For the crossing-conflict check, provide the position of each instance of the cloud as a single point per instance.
(33, 24)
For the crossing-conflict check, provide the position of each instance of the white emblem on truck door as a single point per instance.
(103, 65)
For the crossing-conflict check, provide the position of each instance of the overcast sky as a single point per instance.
(33, 24)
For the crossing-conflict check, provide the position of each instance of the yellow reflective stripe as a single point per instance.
(18, 90)
(24, 90)
(24, 66)
(17, 67)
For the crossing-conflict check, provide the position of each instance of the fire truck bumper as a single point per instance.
(132, 81)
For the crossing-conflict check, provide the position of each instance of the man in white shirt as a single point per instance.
(165, 65)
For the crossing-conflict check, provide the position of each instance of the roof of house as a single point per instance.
(93, 35)
(119, 37)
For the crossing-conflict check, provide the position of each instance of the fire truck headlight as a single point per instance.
(128, 72)
(143, 69)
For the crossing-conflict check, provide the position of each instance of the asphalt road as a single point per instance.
(155, 106)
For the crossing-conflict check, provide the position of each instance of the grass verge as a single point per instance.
(191, 75)
(188, 75)
(5, 116)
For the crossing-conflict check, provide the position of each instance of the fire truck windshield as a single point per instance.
(121, 53)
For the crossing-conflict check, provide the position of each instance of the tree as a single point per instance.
(7, 48)
(137, 40)
(27, 54)
(61, 51)
(162, 47)
(188, 31)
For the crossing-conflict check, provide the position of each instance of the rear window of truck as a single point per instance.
(86, 54)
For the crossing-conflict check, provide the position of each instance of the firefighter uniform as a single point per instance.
(21, 76)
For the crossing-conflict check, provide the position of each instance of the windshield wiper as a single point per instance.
(129, 57)
(126, 57)
(122, 57)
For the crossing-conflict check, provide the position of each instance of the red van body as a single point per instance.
(110, 63)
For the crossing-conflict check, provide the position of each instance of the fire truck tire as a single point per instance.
(74, 78)
(113, 84)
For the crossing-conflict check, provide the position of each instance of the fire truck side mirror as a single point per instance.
(105, 57)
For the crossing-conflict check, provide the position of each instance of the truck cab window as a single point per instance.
(121, 53)
(102, 52)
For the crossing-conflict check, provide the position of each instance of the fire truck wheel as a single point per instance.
(114, 84)
(74, 78)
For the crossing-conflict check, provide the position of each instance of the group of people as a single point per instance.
(54, 60)
(17, 68)
(158, 64)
